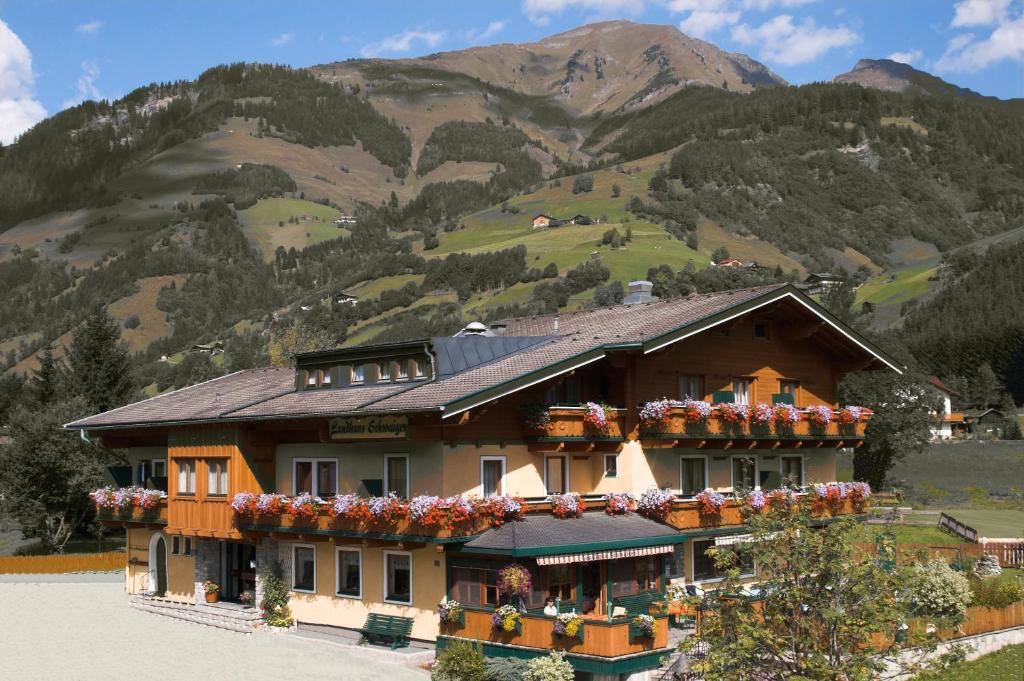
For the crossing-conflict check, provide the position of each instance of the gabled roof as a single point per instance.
(473, 370)
(937, 382)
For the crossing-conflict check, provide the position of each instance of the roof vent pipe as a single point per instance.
(639, 292)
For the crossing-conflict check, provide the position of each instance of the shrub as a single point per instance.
(994, 594)
(550, 668)
(506, 669)
(132, 322)
(461, 661)
(275, 597)
(582, 183)
(937, 590)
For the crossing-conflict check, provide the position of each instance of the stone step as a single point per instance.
(233, 613)
(197, 617)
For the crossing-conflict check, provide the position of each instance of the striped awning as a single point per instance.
(613, 554)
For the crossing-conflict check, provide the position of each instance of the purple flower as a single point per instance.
(756, 500)
(711, 499)
(243, 502)
(761, 414)
(702, 408)
(345, 502)
(421, 505)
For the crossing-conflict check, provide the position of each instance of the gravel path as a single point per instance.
(88, 632)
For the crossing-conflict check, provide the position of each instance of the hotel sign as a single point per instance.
(369, 428)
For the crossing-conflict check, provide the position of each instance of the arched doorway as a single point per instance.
(157, 564)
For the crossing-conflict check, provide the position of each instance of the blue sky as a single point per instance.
(54, 54)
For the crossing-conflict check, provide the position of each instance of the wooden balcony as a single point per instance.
(601, 638)
(686, 514)
(117, 517)
(208, 517)
(567, 427)
(677, 431)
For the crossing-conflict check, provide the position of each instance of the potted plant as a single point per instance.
(711, 502)
(514, 581)
(507, 619)
(535, 417)
(596, 417)
(247, 598)
(568, 505)
(654, 416)
(655, 504)
(644, 626)
(696, 413)
(569, 625)
(451, 612)
(212, 590)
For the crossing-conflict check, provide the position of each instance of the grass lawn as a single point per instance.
(896, 287)
(1002, 665)
(374, 287)
(262, 224)
(994, 524)
(908, 534)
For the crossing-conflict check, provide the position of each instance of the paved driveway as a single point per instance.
(87, 632)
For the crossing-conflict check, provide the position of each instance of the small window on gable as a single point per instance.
(384, 371)
(356, 374)
(761, 331)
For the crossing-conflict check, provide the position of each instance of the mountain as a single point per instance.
(606, 66)
(894, 76)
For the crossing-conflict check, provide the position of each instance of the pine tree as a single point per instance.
(99, 367)
(44, 383)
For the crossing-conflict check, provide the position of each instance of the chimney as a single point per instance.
(639, 292)
(554, 326)
(475, 329)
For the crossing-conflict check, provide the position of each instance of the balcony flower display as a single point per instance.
(514, 580)
(148, 498)
(762, 415)
(535, 416)
(619, 503)
(731, 412)
(595, 416)
(103, 497)
(696, 411)
(646, 625)
(388, 508)
(423, 509)
(431, 511)
(501, 509)
(711, 502)
(305, 506)
(782, 498)
(858, 492)
(832, 493)
(655, 414)
(351, 507)
(568, 624)
(655, 504)
(786, 415)
(756, 500)
(456, 510)
(127, 497)
(271, 504)
(506, 618)
(450, 612)
(244, 503)
(124, 498)
(850, 414)
(820, 415)
(568, 505)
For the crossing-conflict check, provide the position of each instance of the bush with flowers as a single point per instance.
(271, 504)
(762, 415)
(696, 411)
(244, 503)
(305, 506)
(350, 507)
(387, 509)
(655, 414)
(645, 625)
(569, 624)
(786, 415)
(782, 498)
(820, 415)
(655, 504)
(126, 498)
(756, 500)
(731, 412)
(506, 618)
(596, 416)
(619, 503)
(568, 505)
(535, 416)
(451, 612)
(711, 502)
(514, 580)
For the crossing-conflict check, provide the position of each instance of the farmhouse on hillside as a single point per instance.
(817, 283)
(388, 480)
(947, 422)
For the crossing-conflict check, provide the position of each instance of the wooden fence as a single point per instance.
(1010, 554)
(71, 562)
(981, 620)
(965, 532)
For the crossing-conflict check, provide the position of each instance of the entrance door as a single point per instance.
(240, 565)
(158, 565)
(556, 474)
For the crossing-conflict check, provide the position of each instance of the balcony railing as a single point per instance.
(577, 423)
(686, 423)
(686, 514)
(135, 514)
(600, 637)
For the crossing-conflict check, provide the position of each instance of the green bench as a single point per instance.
(387, 627)
(637, 604)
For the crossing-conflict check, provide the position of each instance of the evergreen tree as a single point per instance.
(45, 380)
(839, 298)
(99, 367)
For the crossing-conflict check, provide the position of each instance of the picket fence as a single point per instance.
(71, 562)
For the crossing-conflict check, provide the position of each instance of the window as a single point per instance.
(611, 465)
(384, 372)
(175, 545)
(217, 478)
(303, 568)
(188, 547)
(561, 582)
(315, 476)
(556, 474)
(693, 477)
(186, 476)
(311, 378)
(744, 472)
(792, 469)
(492, 475)
(761, 331)
(789, 388)
(741, 390)
(691, 387)
(397, 577)
(418, 369)
(350, 573)
(704, 568)
(396, 475)
(325, 378)
(356, 374)
(402, 371)
(475, 586)
(630, 577)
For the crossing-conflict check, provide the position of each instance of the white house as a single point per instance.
(943, 426)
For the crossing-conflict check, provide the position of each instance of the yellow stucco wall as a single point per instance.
(359, 461)
(180, 569)
(324, 607)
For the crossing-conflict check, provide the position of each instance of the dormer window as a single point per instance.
(384, 372)
(325, 380)
(311, 378)
(401, 371)
(356, 374)
(417, 369)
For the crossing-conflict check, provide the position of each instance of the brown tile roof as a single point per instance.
(580, 336)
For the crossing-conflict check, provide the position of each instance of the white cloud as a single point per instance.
(909, 57)
(784, 42)
(89, 27)
(19, 110)
(493, 29)
(966, 53)
(979, 12)
(85, 86)
(540, 11)
(282, 40)
(402, 43)
(764, 5)
(702, 22)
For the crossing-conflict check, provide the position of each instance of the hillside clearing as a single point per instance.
(314, 223)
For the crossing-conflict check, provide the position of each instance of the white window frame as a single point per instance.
(707, 471)
(757, 470)
(291, 586)
(714, 580)
(750, 389)
(564, 457)
(353, 370)
(803, 469)
(408, 481)
(337, 570)
(604, 473)
(383, 367)
(313, 461)
(221, 475)
(504, 472)
(384, 565)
